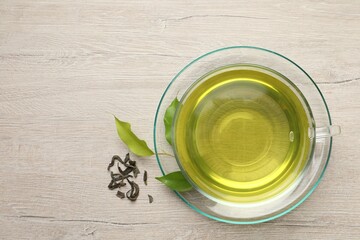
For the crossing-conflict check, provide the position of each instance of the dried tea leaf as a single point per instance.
(114, 158)
(114, 176)
(168, 119)
(120, 194)
(175, 181)
(121, 183)
(136, 172)
(113, 185)
(136, 145)
(133, 193)
(151, 199)
(127, 158)
(120, 170)
(127, 171)
(122, 178)
(145, 177)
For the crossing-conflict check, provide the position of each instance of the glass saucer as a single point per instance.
(298, 192)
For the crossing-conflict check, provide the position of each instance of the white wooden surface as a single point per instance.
(65, 65)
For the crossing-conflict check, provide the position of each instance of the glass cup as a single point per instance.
(320, 134)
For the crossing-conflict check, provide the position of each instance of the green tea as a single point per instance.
(241, 134)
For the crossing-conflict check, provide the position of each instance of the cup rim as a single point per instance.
(286, 210)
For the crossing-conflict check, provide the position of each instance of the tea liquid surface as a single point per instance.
(241, 134)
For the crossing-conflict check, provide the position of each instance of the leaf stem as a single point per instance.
(165, 154)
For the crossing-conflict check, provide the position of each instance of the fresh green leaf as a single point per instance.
(135, 145)
(175, 181)
(168, 119)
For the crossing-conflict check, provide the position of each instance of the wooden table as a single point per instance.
(66, 65)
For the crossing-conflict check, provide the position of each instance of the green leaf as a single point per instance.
(135, 145)
(175, 181)
(168, 119)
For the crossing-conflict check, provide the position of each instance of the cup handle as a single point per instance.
(328, 131)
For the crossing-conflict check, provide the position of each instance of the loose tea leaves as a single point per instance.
(175, 181)
(168, 119)
(136, 145)
(118, 177)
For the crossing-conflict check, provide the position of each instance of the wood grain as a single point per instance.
(65, 65)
